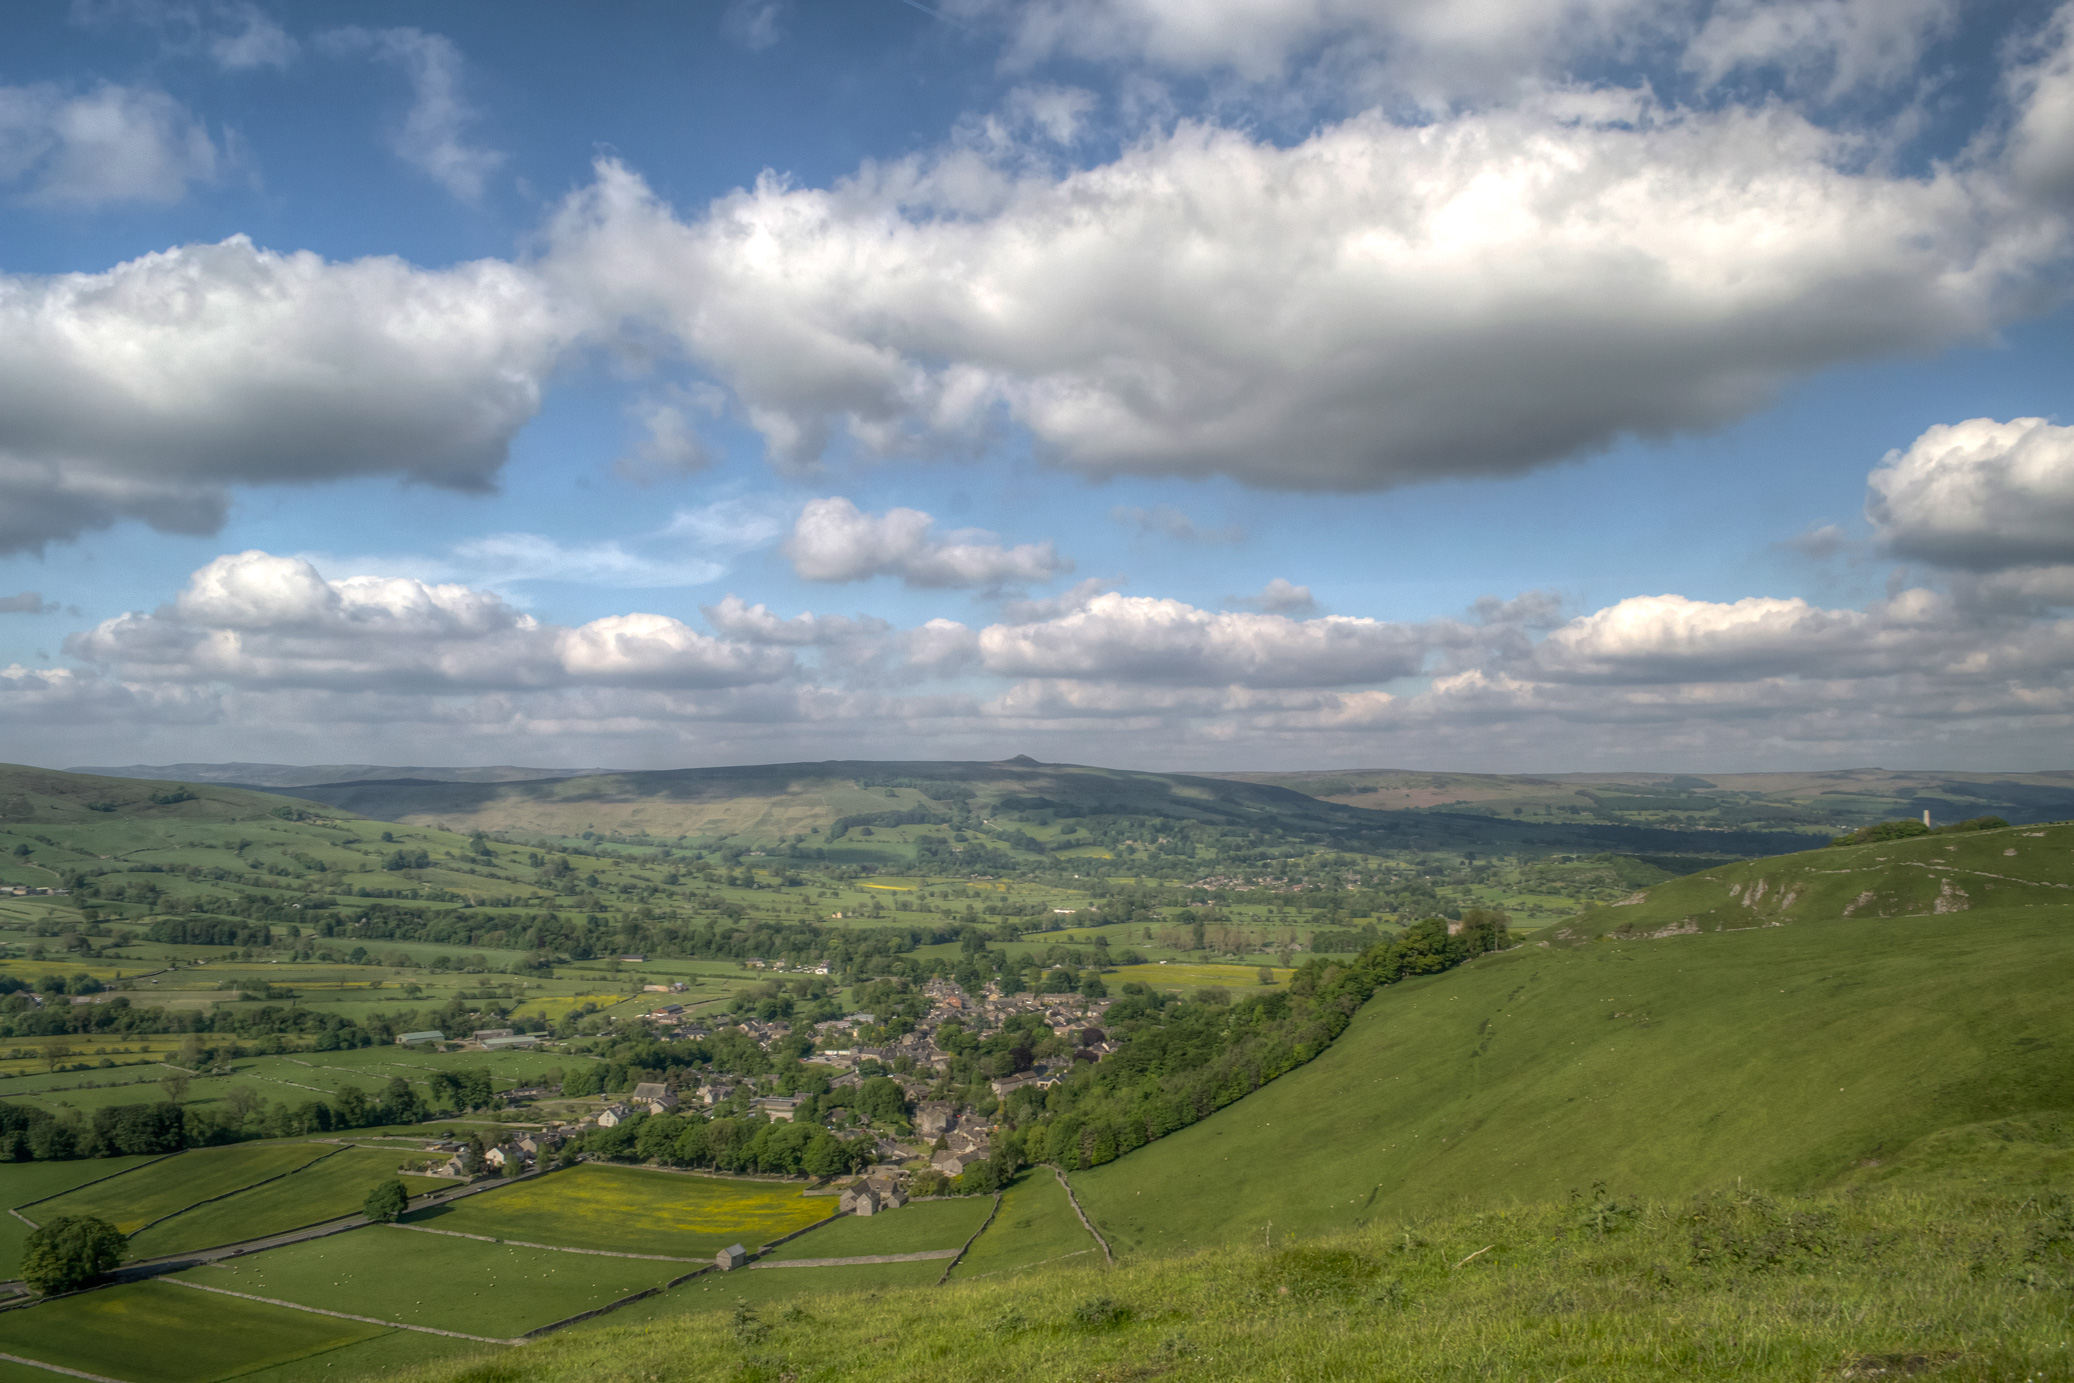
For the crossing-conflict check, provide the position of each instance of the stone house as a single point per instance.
(953, 1164)
(613, 1115)
(653, 1094)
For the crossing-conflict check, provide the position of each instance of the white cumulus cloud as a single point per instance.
(833, 540)
(1979, 495)
(253, 619)
(147, 390)
(738, 619)
(1145, 639)
(1375, 305)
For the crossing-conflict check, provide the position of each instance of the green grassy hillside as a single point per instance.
(2020, 866)
(1728, 1287)
(1783, 1057)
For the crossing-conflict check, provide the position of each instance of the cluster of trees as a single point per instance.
(208, 931)
(728, 1145)
(1909, 826)
(31, 1134)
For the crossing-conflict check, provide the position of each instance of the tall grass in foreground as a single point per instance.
(1879, 1284)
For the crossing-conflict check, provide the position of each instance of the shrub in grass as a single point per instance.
(387, 1201)
(1101, 1313)
(70, 1252)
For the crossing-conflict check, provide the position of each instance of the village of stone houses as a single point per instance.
(923, 1133)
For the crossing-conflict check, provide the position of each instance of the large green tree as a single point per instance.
(70, 1252)
(387, 1201)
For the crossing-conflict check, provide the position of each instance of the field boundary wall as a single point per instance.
(60, 1368)
(673, 1283)
(959, 1256)
(1074, 1201)
(81, 1187)
(347, 1315)
(251, 1186)
(552, 1248)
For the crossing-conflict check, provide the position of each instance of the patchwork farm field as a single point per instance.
(724, 1292)
(23, 1182)
(436, 1280)
(633, 1210)
(172, 1184)
(919, 1227)
(390, 1351)
(1177, 975)
(334, 1185)
(1035, 1227)
(155, 1332)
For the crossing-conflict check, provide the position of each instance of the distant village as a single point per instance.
(947, 1137)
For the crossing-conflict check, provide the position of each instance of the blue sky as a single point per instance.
(1541, 385)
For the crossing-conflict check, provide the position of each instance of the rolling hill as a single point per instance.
(1667, 1058)
(2021, 866)
(1829, 801)
(303, 775)
(757, 805)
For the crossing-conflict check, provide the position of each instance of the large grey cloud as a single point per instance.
(1375, 305)
(148, 390)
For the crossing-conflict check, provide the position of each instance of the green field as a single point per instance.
(391, 1274)
(1186, 976)
(23, 1182)
(918, 1227)
(390, 1351)
(160, 1188)
(1036, 1228)
(770, 1290)
(332, 1186)
(633, 1210)
(154, 1332)
(1783, 1056)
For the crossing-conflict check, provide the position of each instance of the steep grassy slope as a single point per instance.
(1730, 1288)
(2022, 866)
(1783, 1057)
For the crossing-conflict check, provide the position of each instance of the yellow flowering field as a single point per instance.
(635, 1210)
